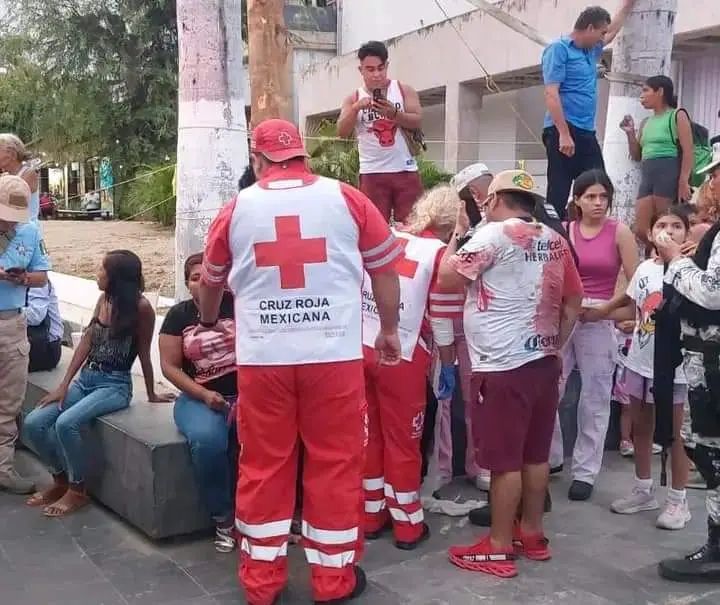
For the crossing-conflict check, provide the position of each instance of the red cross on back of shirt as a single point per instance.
(405, 266)
(290, 252)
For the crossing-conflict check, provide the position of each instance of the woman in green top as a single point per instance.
(664, 146)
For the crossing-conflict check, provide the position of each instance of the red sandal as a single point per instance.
(484, 557)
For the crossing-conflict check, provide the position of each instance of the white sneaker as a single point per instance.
(636, 502)
(675, 515)
(656, 449)
(482, 482)
(627, 450)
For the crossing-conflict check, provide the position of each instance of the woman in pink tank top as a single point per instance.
(603, 246)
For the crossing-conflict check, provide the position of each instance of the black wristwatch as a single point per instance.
(208, 324)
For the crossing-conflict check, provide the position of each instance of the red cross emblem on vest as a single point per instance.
(405, 266)
(290, 252)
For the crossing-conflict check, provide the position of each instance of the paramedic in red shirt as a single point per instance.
(397, 395)
(292, 249)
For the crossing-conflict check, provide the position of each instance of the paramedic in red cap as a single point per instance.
(292, 249)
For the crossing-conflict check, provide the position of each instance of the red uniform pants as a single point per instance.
(323, 406)
(396, 398)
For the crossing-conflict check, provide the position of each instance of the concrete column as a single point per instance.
(463, 104)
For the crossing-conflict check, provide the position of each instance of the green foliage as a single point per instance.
(86, 78)
(330, 157)
(339, 159)
(430, 174)
(142, 196)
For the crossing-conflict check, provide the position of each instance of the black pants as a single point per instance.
(44, 356)
(563, 170)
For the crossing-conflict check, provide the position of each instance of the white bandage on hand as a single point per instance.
(443, 331)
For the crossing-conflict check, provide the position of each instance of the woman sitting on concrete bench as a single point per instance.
(120, 330)
(201, 363)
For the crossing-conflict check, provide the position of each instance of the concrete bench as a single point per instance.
(139, 462)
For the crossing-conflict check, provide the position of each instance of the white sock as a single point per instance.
(644, 485)
(676, 495)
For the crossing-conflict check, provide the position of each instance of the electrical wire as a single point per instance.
(490, 83)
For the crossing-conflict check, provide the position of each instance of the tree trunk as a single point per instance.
(212, 131)
(270, 62)
(643, 48)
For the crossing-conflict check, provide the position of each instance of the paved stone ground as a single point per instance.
(92, 558)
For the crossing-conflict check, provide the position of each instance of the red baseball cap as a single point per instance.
(277, 140)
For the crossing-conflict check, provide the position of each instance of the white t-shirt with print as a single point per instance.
(520, 271)
(645, 289)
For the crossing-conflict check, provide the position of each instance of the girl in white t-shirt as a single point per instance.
(643, 296)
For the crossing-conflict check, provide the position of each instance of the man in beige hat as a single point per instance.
(23, 264)
(524, 295)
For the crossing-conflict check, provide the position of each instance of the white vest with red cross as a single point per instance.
(415, 271)
(381, 143)
(296, 275)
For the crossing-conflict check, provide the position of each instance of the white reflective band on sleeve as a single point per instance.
(263, 553)
(374, 506)
(381, 248)
(340, 560)
(264, 530)
(401, 497)
(374, 484)
(385, 259)
(412, 518)
(329, 536)
(446, 308)
(446, 297)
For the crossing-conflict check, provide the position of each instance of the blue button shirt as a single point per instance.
(575, 70)
(42, 303)
(26, 251)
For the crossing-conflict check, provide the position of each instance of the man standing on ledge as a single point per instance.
(292, 249)
(382, 113)
(569, 68)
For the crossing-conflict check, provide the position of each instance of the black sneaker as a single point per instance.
(554, 470)
(699, 567)
(580, 490)
(360, 586)
(376, 535)
(482, 517)
(413, 545)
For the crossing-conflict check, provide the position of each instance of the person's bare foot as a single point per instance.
(69, 503)
(47, 496)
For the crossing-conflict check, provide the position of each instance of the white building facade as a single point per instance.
(465, 122)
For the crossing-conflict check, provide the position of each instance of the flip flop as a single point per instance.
(42, 499)
(65, 509)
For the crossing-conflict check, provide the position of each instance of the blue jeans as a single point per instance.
(54, 432)
(207, 432)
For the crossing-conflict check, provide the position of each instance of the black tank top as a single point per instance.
(111, 353)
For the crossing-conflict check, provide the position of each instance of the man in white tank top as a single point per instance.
(380, 113)
(293, 249)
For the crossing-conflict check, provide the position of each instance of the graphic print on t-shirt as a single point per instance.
(385, 131)
(520, 272)
(646, 322)
(212, 353)
(645, 289)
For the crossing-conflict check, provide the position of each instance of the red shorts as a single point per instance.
(514, 420)
(394, 192)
